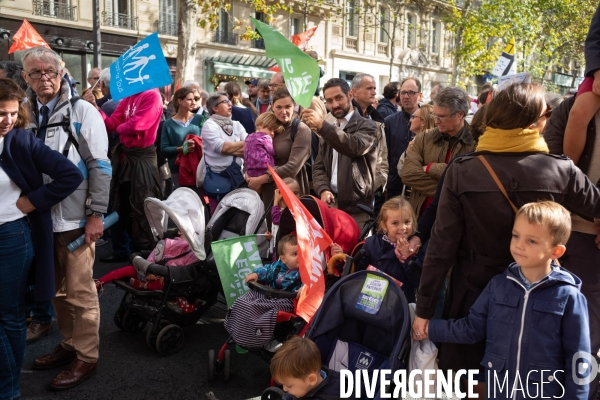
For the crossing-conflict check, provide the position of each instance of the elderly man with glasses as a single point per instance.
(433, 149)
(76, 130)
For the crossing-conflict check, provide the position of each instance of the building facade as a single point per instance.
(347, 44)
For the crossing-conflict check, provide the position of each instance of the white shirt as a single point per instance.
(213, 139)
(334, 168)
(9, 194)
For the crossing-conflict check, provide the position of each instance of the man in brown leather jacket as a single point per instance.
(344, 170)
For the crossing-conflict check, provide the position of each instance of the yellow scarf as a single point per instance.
(512, 141)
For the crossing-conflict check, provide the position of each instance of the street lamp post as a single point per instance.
(97, 37)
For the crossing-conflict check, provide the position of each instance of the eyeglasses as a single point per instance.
(94, 78)
(442, 119)
(38, 75)
(411, 93)
(414, 116)
(227, 101)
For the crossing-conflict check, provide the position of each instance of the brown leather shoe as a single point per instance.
(37, 331)
(78, 372)
(59, 356)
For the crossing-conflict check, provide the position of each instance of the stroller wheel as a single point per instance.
(227, 366)
(118, 318)
(211, 365)
(132, 322)
(169, 340)
(273, 393)
(151, 336)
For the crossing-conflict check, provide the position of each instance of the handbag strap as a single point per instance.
(495, 177)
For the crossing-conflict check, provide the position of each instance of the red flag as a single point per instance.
(301, 40)
(275, 68)
(178, 85)
(26, 38)
(312, 242)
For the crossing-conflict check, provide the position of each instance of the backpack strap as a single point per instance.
(295, 125)
(66, 123)
(495, 177)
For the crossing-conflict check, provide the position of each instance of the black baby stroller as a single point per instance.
(353, 331)
(195, 282)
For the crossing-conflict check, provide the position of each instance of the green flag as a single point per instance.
(235, 258)
(300, 71)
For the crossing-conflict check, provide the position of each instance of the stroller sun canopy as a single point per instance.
(186, 210)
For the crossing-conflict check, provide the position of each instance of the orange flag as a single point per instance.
(312, 242)
(26, 38)
(301, 40)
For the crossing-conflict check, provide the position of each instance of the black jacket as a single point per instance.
(373, 113)
(592, 46)
(244, 116)
(397, 136)
(329, 389)
(555, 132)
(386, 108)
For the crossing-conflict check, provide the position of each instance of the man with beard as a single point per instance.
(344, 170)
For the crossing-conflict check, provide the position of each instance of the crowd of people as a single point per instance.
(493, 167)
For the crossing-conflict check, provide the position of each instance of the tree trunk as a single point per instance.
(186, 41)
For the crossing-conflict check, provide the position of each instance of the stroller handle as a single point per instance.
(270, 292)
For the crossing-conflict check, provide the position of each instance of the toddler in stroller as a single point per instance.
(259, 312)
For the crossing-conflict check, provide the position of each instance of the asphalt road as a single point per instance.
(129, 369)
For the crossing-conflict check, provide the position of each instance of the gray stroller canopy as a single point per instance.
(187, 212)
(242, 199)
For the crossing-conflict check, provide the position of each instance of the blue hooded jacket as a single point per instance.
(536, 332)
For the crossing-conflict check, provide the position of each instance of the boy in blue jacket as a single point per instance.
(533, 316)
(283, 274)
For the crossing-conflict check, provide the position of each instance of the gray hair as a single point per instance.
(105, 77)
(190, 84)
(92, 70)
(213, 101)
(204, 95)
(454, 99)
(358, 80)
(41, 53)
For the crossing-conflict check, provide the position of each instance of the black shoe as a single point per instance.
(113, 258)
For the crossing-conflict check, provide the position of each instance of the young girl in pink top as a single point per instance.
(258, 150)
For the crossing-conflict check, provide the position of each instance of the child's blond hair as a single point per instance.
(288, 182)
(396, 203)
(296, 358)
(550, 215)
(270, 121)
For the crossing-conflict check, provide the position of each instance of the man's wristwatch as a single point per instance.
(96, 214)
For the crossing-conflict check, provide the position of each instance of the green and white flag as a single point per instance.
(300, 71)
(236, 258)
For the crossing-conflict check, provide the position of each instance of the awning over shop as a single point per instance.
(242, 65)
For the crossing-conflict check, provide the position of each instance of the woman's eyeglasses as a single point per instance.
(227, 101)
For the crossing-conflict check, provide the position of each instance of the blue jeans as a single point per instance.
(16, 253)
(40, 311)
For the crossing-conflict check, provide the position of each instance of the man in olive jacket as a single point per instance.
(344, 170)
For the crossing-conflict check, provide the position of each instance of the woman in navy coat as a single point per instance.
(25, 225)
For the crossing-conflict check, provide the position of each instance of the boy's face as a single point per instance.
(290, 256)
(532, 246)
(299, 387)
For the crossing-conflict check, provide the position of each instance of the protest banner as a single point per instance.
(236, 258)
(142, 67)
(312, 242)
(26, 38)
(300, 71)
(301, 40)
(506, 64)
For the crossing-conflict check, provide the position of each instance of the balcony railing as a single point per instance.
(382, 48)
(117, 20)
(167, 28)
(258, 44)
(225, 37)
(54, 9)
(351, 43)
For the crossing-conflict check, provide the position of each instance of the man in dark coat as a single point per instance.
(397, 133)
(391, 96)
